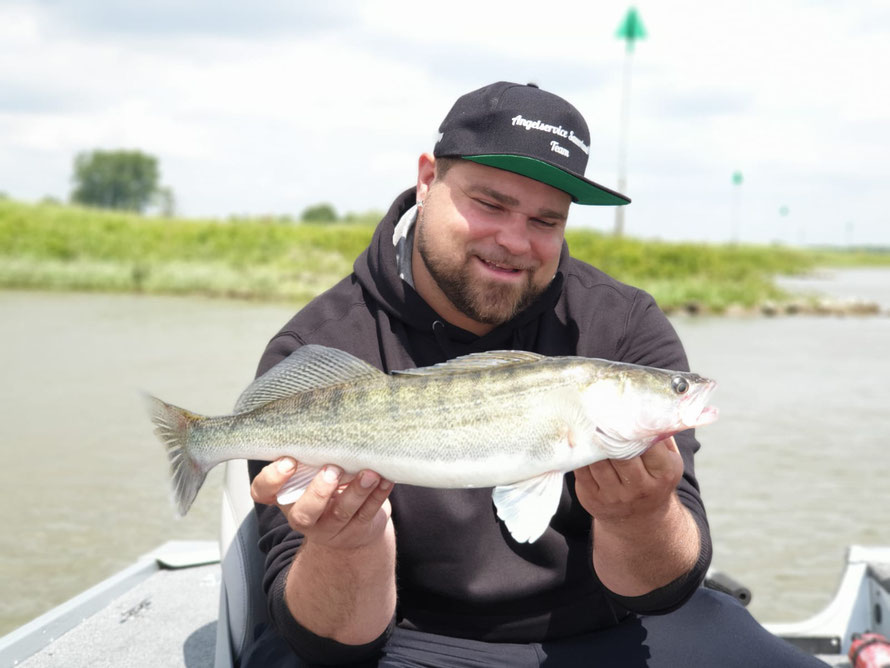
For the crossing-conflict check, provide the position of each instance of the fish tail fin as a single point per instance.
(172, 425)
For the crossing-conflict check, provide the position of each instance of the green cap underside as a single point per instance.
(581, 191)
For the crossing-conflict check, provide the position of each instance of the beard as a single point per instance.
(487, 302)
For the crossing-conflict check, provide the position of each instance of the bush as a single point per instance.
(319, 213)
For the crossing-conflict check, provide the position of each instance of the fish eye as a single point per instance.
(679, 385)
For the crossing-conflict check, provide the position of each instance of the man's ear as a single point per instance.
(426, 172)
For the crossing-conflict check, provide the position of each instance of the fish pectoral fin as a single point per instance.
(617, 447)
(526, 507)
(307, 368)
(295, 486)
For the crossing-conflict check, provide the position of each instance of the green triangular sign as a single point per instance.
(631, 27)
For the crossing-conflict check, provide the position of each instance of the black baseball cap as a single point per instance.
(526, 130)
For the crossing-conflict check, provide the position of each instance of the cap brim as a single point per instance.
(581, 190)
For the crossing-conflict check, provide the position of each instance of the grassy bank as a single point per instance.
(62, 247)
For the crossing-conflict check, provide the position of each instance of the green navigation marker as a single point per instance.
(631, 28)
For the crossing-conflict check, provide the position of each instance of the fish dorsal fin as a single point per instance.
(474, 362)
(308, 368)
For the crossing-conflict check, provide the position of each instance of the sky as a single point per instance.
(267, 107)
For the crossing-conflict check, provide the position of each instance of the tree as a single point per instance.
(115, 179)
(319, 213)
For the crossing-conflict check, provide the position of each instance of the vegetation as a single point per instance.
(319, 213)
(125, 180)
(52, 246)
(693, 276)
(68, 247)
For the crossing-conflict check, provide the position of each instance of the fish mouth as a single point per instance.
(708, 415)
(698, 413)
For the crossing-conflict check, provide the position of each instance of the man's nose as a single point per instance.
(512, 234)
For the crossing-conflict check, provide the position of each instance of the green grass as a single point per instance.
(63, 247)
(50, 246)
(704, 276)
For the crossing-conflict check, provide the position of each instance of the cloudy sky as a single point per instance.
(267, 107)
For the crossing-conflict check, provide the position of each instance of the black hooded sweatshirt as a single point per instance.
(459, 573)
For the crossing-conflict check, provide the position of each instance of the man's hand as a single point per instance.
(625, 489)
(333, 512)
(643, 537)
(341, 584)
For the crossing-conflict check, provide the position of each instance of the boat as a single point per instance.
(195, 604)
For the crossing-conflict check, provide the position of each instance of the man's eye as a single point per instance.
(488, 205)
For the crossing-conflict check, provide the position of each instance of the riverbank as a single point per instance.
(58, 247)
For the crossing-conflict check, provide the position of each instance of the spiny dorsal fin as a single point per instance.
(308, 368)
(474, 362)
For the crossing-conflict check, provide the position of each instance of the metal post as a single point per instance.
(630, 30)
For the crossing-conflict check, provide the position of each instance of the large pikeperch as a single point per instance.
(515, 421)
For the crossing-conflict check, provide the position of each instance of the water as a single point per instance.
(793, 472)
(866, 284)
(797, 467)
(85, 482)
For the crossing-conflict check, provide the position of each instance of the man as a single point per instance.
(471, 259)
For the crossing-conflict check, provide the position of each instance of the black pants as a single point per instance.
(712, 630)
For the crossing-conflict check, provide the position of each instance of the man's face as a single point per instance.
(487, 243)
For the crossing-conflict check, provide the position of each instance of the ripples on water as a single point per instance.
(792, 473)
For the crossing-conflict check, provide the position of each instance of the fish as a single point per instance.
(514, 421)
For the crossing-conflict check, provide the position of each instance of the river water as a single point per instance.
(795, 470)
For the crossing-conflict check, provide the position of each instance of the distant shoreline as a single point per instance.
(58, 247)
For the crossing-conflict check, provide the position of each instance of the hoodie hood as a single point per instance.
(377, 272)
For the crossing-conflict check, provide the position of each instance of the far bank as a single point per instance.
(58, 247)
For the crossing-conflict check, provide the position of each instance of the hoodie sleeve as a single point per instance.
(650, 339)
(280, 544)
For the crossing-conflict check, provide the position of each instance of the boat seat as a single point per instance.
(242, 602)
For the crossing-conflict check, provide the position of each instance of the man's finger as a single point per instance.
(367, 512)
(353, 497)
(585, 485)
(303, 513)
(266, 484)
(604, 474)
(629, 472)
(353, 517)
(662, 459)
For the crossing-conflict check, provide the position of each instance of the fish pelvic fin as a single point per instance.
(172, 426)
(295, 486)
(526, 507)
